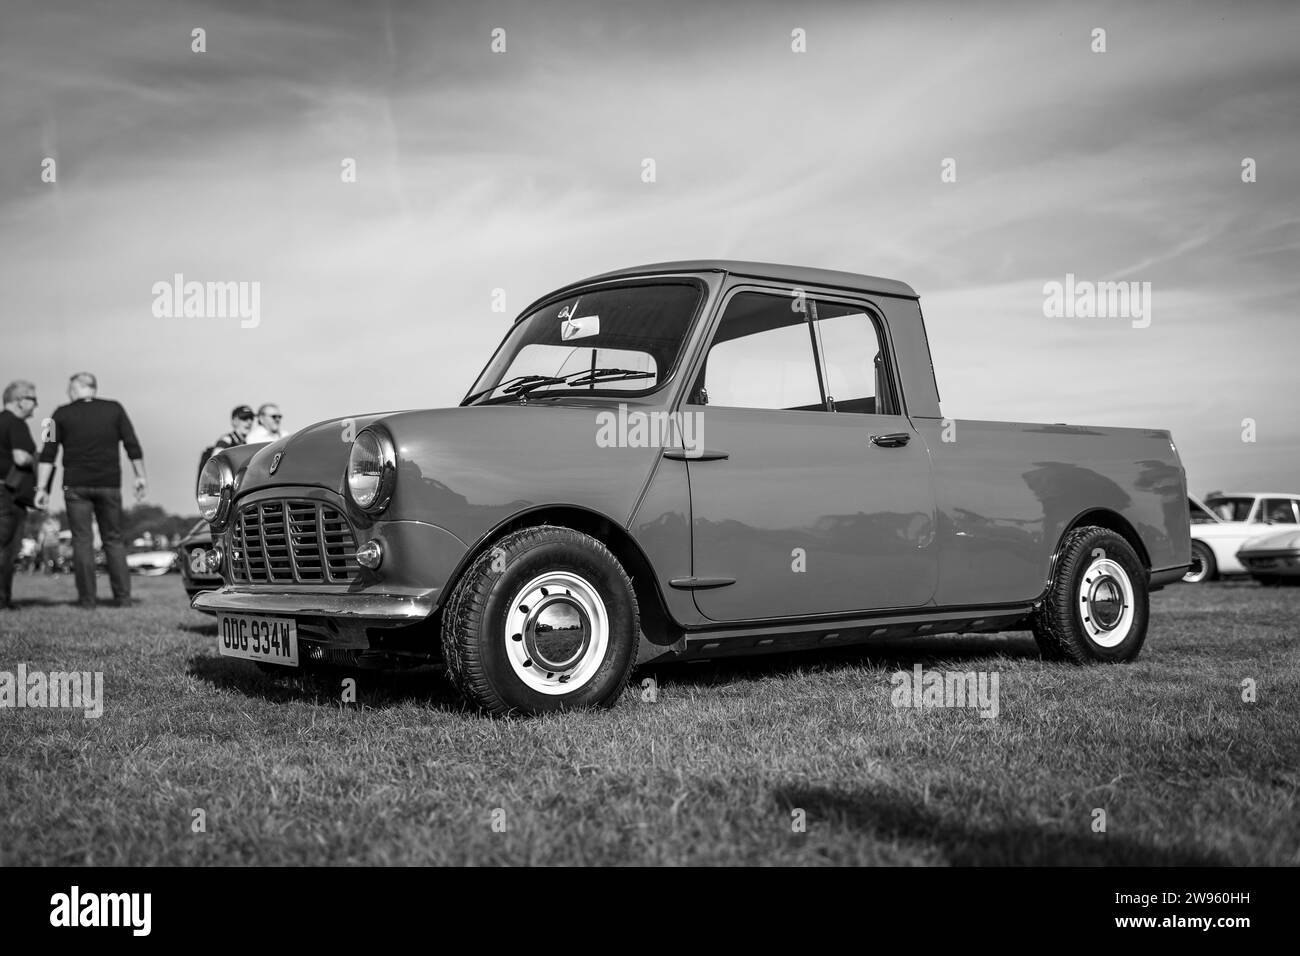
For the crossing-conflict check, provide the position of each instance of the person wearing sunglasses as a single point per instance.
(268, 426)
(17, 479)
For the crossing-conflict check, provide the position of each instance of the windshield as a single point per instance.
(1230, 509)
(1198, 513)
(625, 340)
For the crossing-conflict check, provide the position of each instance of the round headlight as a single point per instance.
(371, 469)
(212, 494)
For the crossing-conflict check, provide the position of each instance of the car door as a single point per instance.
(805, 501)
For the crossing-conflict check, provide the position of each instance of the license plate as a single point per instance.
(270, 639)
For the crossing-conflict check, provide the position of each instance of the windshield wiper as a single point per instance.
(522, 385)
(591, 376)
(585, 377)
(512, 385)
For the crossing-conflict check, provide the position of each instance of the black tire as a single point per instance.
(496, 670)
(1269, 580)
(1097, 606)
(1204, 567)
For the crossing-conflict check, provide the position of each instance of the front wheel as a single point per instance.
(544, 620)
(1097, 604)
(1203, 565)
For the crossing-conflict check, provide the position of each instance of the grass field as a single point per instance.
(719, 769)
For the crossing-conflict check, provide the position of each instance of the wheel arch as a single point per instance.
(1100, 518)
(656, 623)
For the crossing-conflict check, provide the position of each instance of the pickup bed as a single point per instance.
(685, 460)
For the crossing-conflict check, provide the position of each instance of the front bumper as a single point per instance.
(379, 608)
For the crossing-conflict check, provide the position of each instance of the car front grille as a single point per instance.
(290, 541)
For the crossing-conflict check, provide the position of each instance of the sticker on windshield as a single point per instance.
(579, 328)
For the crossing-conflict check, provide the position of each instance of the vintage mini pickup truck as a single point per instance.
(687, 460)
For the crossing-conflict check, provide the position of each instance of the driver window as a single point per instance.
(761, 357)
(1279, 511)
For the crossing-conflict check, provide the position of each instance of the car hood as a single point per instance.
(1273, 541)
(316, 455)
(466, 468)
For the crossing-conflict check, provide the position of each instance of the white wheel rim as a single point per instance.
(1106, 602)
(556, 633)
(1198, 569)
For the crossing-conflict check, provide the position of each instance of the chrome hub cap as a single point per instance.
(557, 632)
(1106, 602)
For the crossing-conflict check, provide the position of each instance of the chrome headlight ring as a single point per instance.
(372, 469)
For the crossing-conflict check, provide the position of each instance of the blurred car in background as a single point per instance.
(1273, 559)
(1225, 521)
(151, 563)
(191, 554)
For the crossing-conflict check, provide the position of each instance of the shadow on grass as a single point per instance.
(886, 815)
(375, 689)
(887, 655)
(21, 603)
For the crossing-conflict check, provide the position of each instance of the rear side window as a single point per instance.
(853, 364)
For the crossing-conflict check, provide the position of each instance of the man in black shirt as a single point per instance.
(89, 429)
(17, 455)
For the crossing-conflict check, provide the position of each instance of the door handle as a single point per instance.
(894, 440)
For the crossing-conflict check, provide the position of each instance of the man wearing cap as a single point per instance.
(241, 422)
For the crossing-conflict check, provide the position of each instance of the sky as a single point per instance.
(522, 171)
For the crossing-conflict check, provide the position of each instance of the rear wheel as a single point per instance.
(544, 620)
(1097, 605)
(1203, 566)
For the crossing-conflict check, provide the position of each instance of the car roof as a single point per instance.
(794, 275)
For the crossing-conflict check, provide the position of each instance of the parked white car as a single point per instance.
(1224, 521)
(151, 563)
(1273, 558)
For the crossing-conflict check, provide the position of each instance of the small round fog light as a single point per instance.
(213, 558)
(370, 554)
